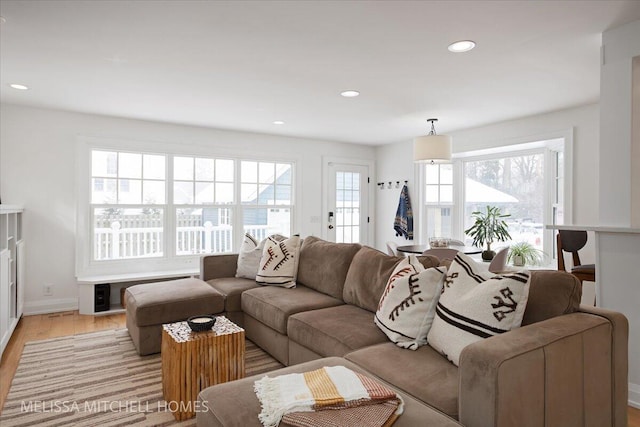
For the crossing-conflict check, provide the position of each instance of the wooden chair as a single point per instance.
(572, 241)
(442, 253)
(499, 261)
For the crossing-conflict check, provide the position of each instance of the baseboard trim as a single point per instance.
(50, 306)
(634, 395)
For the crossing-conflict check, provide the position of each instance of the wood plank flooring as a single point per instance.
(44, 326)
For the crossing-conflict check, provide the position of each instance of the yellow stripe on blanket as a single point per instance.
(322, 388)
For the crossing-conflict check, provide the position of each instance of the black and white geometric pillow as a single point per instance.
(408, 304)
(279, 262)
(476, 304)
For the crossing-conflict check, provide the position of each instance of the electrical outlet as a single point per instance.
(47, 290)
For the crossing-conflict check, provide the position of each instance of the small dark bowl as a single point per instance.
(198, 323)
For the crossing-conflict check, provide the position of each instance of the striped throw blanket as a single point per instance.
(332, 395)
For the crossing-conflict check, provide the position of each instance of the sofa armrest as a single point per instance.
(217, 266)
(620, 358)
(557, 372)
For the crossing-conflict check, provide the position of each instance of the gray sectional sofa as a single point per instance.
(566, 365)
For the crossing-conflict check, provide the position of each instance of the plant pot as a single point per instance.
(488, 255)
(518, 261)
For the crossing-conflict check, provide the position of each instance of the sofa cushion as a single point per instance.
(408, 303)
(279, 262)
(367, 277)
(551, 293)
(429, 261)
(232, 288)
(272, 305)
(171, 301)
(324, 265)
(428, 376)
(368, 274)
(335, 331)
(476, 304)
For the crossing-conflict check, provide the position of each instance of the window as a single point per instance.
(263, 186)
(127, 201)
(347, 207)
(203, 193)
(526, 181)
(439, 199)
(160, 205)
(513, 183)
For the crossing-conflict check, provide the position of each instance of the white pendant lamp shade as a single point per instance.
(432, 148)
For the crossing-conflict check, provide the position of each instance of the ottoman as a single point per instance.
(151, 304)
(234, 404)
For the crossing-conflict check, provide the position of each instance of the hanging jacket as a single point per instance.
(403, 224)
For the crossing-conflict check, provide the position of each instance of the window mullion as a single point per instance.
(238, 215)
(170, 217)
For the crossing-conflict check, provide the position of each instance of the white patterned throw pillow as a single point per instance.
(249, 257)
(279, 262)
(408, 303)
(476, 304)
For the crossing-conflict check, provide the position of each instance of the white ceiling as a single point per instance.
(241, 64)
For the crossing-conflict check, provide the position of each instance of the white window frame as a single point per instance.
(452, 206)
(547, 143)
(170, 261)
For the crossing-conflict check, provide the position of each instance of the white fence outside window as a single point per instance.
(143, 237)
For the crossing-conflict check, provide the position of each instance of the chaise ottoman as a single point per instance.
(234, 404)
(152, 304)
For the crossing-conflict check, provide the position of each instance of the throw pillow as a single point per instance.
(476, 304)
(279, 262)
(249, 257)
(408, 303)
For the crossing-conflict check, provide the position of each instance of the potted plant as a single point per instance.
(525, 253)
(488, 227)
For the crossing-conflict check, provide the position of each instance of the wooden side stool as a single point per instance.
(193, 361)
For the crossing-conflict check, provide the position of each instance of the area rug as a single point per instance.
(96, 379)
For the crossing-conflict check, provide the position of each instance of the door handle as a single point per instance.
(330, 226)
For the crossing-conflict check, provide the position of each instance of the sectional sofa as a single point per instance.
(566, 365)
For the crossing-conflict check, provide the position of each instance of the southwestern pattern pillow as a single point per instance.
(408, 303)
(279, 262)
(476, 304)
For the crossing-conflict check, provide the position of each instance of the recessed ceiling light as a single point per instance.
(278, 122)
(462, 46)
(19, 87)
(350, 93)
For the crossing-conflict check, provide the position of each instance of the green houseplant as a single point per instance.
(488, 227)
(524, 253)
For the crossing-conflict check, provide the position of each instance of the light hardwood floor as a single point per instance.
(44, 326)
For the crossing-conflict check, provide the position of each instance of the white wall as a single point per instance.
(618, 253)
(620, 45)
(394, 161)
(37, 170)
